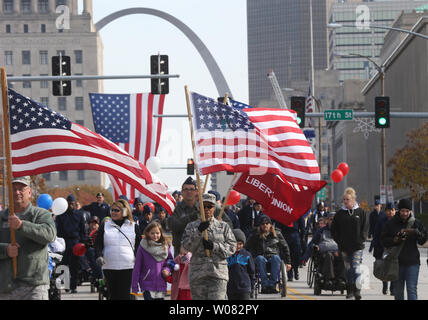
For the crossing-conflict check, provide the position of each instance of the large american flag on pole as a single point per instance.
(258, 140)
(127, 120)
(43, 140)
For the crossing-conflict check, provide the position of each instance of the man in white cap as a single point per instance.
(34, 230)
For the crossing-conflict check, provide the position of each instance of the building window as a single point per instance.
(79, 103)
(78, 56)
(47, 176)
(26, 6)
(8, 28)
(80, 175)
(26, 84)
(43, 6)
(63, 175)
(44, 101)
(25, 28)
(43, 28)
(8, 58)
(44, 83)
(79, 83)
(44, 57)
(7, 6)
(26, 57)
(10, 84)
(62, 103)
(61, 2)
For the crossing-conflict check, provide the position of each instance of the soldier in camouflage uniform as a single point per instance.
(208, 276)
(187, 211)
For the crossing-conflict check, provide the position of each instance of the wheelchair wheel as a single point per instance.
(283, 279)
(311, 272)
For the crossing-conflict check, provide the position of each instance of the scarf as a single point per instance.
(156, 249)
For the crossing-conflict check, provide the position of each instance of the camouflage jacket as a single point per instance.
(214, 266)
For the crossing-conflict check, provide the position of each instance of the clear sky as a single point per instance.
(129, 42)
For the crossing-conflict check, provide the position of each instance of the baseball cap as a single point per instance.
(24, 180)
(208, 197)
(100, 194)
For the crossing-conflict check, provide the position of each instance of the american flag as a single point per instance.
(260, 139)
(309, 109)
(127, 120)
(43, 140)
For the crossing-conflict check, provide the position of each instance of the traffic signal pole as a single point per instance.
(383, 137)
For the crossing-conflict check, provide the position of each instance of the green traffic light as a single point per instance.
(382, 121)
(299, 120)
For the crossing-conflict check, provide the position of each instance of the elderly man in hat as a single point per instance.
(34, 230)
(187, 211)
(98, 208)
(406, 231)
(71, 227)
(208, 275)
(268, 245)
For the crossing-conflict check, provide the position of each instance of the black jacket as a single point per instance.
(241, 272)
(99, 210)
(350, 229)
(258, 246)
(409, 254)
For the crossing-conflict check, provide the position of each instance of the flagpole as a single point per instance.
(226, 98)
(6, 130)
(198, 178)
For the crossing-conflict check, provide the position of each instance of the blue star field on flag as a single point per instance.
(111, 113)
(213, 115)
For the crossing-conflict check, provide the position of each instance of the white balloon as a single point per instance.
(59, 206)
(153, 164)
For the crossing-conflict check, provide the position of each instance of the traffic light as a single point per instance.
(382, 112)
(298, 104)
(159, 65)
(190, 167)
(61, 66)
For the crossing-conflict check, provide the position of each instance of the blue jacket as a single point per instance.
(241, 272)
(101, 211)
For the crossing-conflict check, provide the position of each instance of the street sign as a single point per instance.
(389, 193)
(335, 115)
(321, 195)
(382, 194)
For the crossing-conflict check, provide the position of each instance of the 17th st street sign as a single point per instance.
(335, 115)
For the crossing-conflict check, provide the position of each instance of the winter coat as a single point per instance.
(37, 231)
(350, 229)
(147, 272)
(409, 254)
(180, 278)
(99, 210)
(269, 246)
(241, 272)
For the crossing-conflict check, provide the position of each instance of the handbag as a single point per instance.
(387, 268)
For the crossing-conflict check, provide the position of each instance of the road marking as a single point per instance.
(300, 294)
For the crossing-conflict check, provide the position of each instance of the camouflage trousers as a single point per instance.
(208, 289)
(24, 292)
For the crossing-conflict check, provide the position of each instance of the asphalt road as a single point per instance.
(299, 290)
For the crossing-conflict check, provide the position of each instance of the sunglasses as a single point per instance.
(209, 206)
(116, 210)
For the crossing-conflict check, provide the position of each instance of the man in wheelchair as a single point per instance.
(267, 245)
(327, 258)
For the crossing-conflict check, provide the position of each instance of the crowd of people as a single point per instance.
(211, 255)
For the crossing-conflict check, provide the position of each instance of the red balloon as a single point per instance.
(343, 166)
(234, 198)
(337, 175)
(79, 249)
(151, 205)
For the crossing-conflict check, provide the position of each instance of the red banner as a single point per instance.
(282, 201)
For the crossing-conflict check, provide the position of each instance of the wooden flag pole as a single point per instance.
(198, 178)
(226, 97)
(6, 130)
(227, 195)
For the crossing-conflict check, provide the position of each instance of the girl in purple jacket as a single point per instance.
(151, 269)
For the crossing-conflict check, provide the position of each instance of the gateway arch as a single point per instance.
(216, 74)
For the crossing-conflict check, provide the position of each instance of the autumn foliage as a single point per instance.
(410, 164)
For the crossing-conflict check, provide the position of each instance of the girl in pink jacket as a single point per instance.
(180, 289)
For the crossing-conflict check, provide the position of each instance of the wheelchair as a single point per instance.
(281, 282)
(316, 279)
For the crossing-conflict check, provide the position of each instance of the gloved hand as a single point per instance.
(208, 244)
(100, 261)
(204, 225)
(171, 264)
